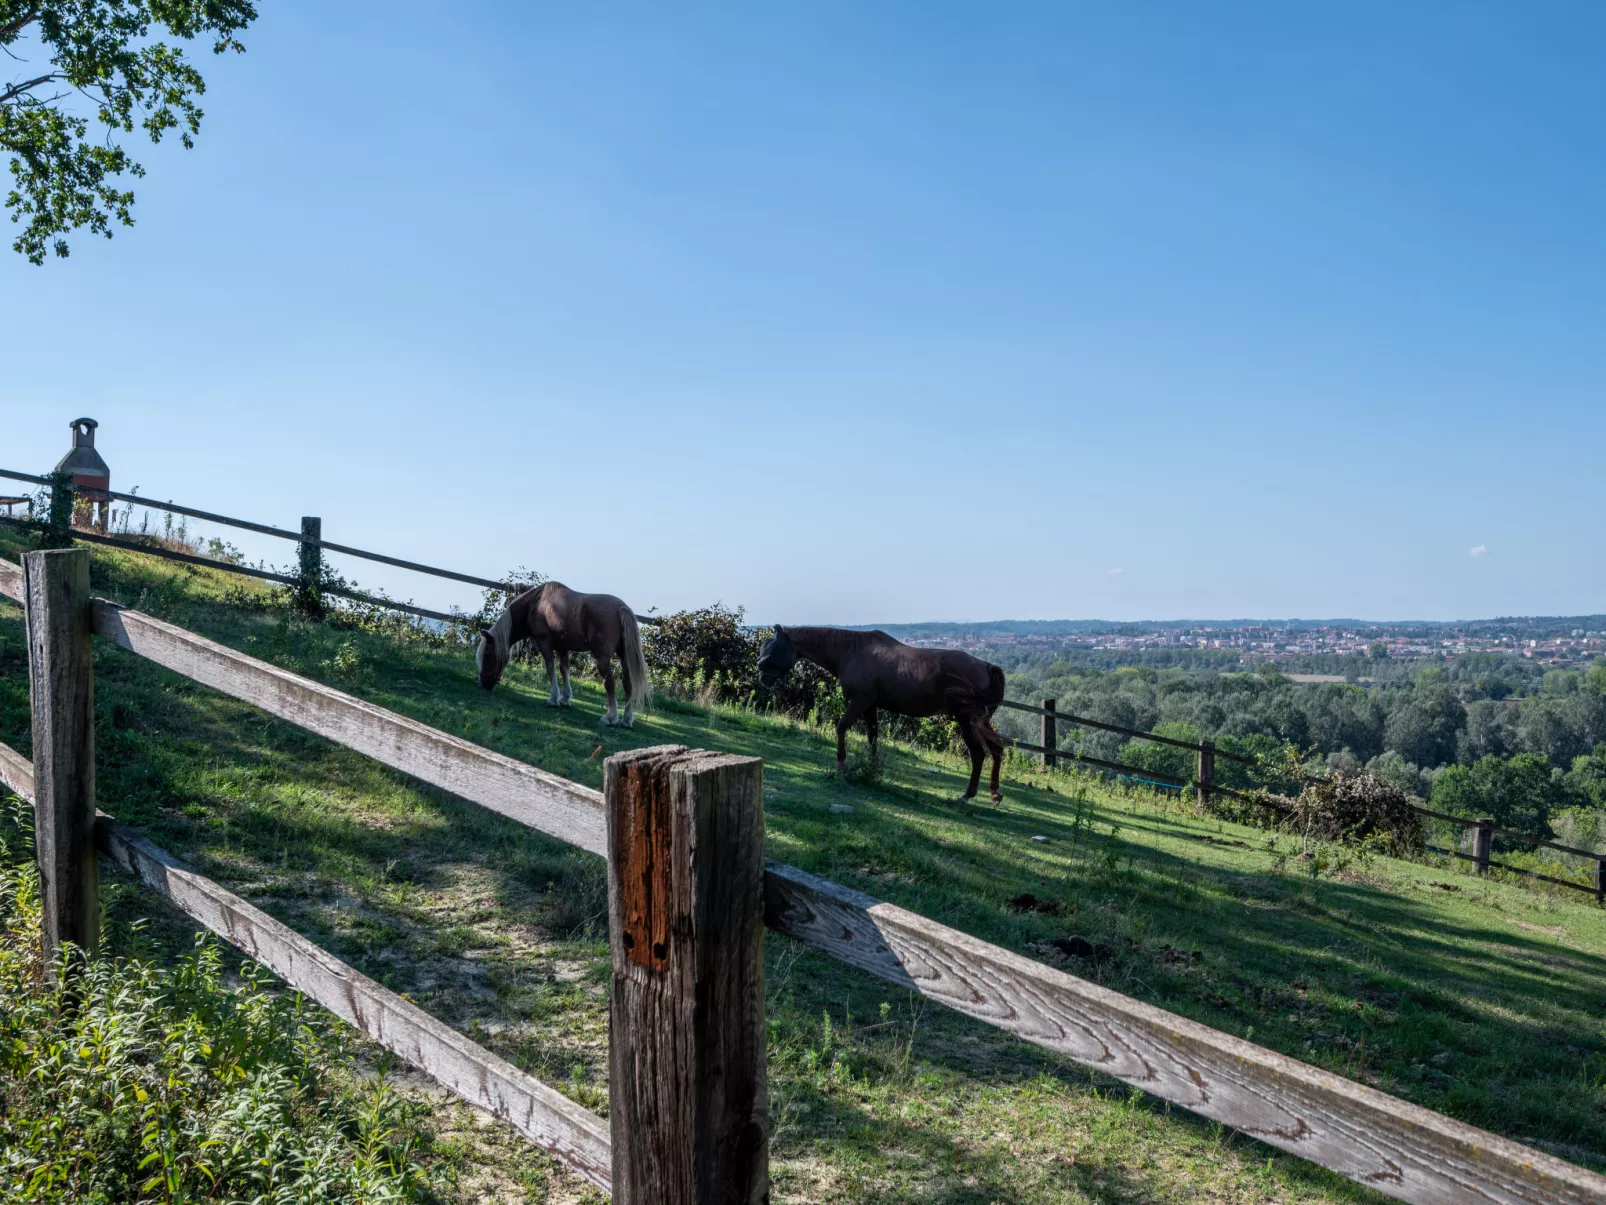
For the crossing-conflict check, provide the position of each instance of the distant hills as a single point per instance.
(1528, 625)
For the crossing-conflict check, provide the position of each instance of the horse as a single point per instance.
(877, 671)
(564, 621)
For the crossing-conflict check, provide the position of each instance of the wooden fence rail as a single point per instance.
(1204, 780)
(1401, 1149)
(542, 1114)
(309, 539)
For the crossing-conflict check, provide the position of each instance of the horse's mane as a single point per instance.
(502, 631)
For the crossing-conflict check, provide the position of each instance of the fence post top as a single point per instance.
(679, 755)
(57, 552)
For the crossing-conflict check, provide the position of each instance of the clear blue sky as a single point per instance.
(858, 313)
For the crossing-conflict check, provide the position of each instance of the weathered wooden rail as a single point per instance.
(683, 835)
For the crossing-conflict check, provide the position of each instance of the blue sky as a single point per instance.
(861, 313)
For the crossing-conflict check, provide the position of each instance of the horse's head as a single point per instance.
(490, 656)
(776, 658)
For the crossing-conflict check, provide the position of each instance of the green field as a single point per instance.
(1484, 1000)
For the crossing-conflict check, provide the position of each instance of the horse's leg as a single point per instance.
(545, 646)
(872, 726)
(850, 715)
(605, 665)
(973, 742)
(995, 746)
(628, 720)
(567, 697)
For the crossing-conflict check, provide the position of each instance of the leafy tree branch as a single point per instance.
(103, 53)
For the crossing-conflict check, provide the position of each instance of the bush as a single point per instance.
(1357, 807)
(154, 1083)
(691, 650)
(709, 652)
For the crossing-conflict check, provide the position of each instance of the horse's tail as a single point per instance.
(635, 661)
(995, 689)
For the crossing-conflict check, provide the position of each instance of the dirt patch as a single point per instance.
(1027, 902)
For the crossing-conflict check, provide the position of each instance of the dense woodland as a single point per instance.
(1481, 734)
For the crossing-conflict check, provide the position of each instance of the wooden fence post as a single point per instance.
(58, 519)
(311, 566)
(688, 1101)
(1482, 844)
(1600, 880)
(1050, 739)
(56, 584)
(1205, 771)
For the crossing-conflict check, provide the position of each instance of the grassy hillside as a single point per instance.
(1484, 1000)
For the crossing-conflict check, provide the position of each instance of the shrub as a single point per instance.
(1355, 808)
(693, 649)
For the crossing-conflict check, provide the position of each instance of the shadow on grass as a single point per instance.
(1279, 953)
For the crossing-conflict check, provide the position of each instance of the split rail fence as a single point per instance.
(1204, 782)
(310, 578)
(690, 896)
(310, 545)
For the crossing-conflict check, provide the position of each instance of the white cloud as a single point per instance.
(1478, 550)
(1117, 572)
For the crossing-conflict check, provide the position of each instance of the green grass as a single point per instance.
(1487, 1002)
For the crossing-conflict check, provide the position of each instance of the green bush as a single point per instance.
(141, 1083)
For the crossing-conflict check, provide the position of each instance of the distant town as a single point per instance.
(1545, 640)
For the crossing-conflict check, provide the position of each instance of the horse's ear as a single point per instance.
(485, 633)
(779, 631)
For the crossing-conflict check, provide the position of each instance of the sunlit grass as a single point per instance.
(1487, 1002)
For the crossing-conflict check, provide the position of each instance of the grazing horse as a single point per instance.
(564, 621)
(877, 671)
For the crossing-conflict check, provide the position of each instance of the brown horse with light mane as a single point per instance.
(877, 671)
(564, 621)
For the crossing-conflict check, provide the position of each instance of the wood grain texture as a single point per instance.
(1398, 1148)
(543, 1115)
(11, 581)
(16, 771)
(62, 685)
(553, 805)
(688, 1100)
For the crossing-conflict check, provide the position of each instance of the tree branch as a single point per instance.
(17, 90)
(7, 32)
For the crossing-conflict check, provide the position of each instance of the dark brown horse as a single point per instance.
(564, 621)
(877, 671)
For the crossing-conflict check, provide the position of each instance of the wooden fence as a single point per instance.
(310, 547)
(310, 579)
(1204, 781)
(683, 834)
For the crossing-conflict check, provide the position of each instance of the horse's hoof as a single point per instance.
(565, 702)
(609, 721)
(997, 799)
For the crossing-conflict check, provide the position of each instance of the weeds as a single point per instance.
(164, 1084)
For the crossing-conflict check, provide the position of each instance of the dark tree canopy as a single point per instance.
(74, 60)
